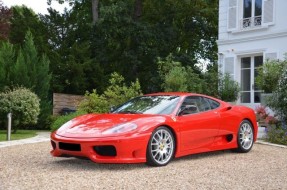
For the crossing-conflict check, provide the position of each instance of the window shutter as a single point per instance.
(269, 56)
(268, 12)
(232, 15)
(229, 66)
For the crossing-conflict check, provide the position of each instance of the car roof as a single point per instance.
(183, 94)
(173, 94)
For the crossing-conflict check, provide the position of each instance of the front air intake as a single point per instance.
(106, 150)
(69, 146)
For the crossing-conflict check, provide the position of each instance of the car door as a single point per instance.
(198, 129)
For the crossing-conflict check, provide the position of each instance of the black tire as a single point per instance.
(161, 147)
(245, 137)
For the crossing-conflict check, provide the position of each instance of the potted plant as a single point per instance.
(228, 89)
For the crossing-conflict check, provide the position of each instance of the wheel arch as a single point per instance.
(176, 138)
(253, 127)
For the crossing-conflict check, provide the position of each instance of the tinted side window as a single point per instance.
(214, 104)
(190, 105)
(197, 104)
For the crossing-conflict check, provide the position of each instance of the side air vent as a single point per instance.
(229, 138)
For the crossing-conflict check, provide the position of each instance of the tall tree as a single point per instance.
(131, 34)
(128, 37)
(25, 19)
(7, 60)
(26, 68)
(74, 69)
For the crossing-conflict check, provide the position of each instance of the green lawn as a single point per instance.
(20, 134)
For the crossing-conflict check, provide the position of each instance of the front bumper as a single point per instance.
(129, 149)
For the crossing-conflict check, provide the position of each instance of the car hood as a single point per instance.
(93, 125)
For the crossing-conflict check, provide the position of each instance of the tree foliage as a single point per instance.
(116, 93)
(26, 20)
(228, 89)
(73, 66)
(128, 37)
(279, 96)
(175, 77)
(269, 74)
(5, 17)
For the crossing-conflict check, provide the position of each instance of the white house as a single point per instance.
(250, 32)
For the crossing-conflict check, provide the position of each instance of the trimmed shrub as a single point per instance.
(23, 104)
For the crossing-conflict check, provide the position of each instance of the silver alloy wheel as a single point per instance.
(162, 146)
(246, 136)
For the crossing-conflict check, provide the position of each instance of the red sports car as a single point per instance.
(155, 128)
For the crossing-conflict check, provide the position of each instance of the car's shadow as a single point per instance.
(86, 164)
(204, 155)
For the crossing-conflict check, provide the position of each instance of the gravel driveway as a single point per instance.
(30, 166)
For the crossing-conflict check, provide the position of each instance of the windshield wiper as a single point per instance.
(129, 112)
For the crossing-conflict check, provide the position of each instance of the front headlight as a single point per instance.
(121, 128)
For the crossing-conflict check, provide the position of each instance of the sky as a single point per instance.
(39, 6)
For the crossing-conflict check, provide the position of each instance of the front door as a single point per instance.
(250, 93)
(199, 128)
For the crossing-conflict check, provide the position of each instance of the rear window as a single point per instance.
(214, 104)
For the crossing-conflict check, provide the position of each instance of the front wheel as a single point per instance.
(245, 137)
(161, 147)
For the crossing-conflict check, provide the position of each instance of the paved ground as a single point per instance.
(30, 166)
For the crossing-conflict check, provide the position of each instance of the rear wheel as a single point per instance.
(245, 137)
(161, 147)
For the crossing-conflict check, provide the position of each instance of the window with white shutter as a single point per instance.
(269, 56)
(268, 12)
(232, 15)
(229, 66)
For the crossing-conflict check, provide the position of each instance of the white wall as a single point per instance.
(279, 26)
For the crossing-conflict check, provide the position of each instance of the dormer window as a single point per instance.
(252, 13)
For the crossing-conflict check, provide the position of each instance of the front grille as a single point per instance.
(53, 144)
(69, 146)
(106, 150)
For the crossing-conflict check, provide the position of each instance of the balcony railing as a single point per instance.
(251, 22)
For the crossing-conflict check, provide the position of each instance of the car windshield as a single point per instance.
(149, 105)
